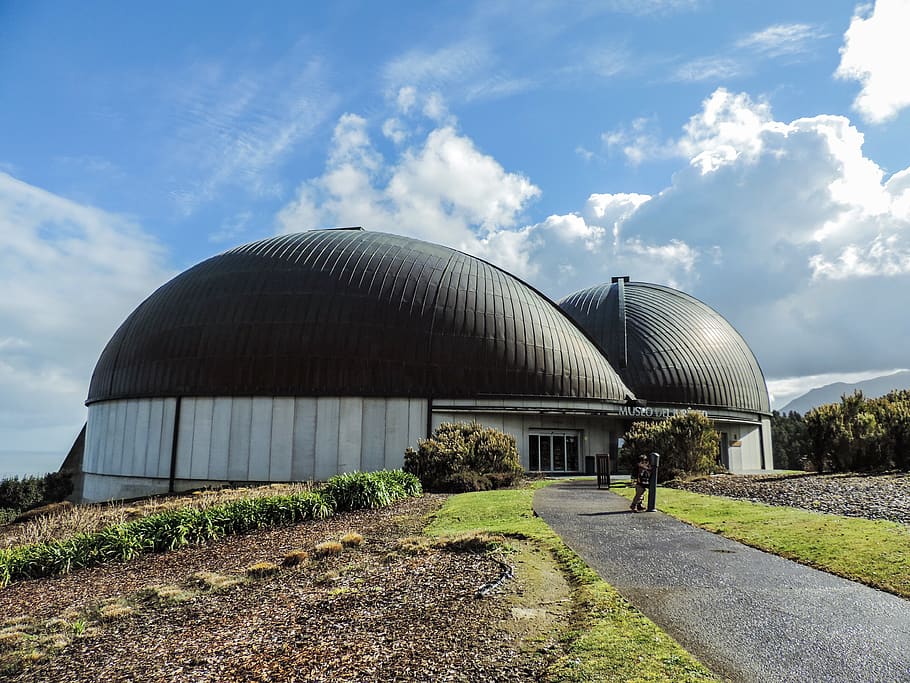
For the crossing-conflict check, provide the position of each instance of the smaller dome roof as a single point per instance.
(669, 347)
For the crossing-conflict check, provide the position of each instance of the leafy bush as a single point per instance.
(504, 480)
(466, 449)
(465, 482)
(860, 434)
(189, 526)
(687, 443)
(20, 494)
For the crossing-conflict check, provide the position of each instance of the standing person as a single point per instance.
(641, 475)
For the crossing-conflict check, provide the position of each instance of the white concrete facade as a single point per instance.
(595, 432)
(130, 448)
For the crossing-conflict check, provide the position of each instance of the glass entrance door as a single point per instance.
(554, 452)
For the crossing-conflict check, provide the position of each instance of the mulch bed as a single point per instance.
(878, 496)
(372, 613)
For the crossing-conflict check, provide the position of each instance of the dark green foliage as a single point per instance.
(504, 480)
(790, 436)
(465, 482)
(860, 434)
(463, 448)
(190, 526)
(362, 491)
(28, 492)
(687, 443)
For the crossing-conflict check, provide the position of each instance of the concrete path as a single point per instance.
(747, 615)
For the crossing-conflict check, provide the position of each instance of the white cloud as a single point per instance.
(433, 70)
(69, 274)
(232, 228)
(787, 228)
(781, 39)
(394, 130)
(785, 389)
(235, 125)
(707, 69)
(876, 53)
(443, 189)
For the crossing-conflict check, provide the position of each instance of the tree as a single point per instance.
(687, 444)
(791, 440)
(825, 428)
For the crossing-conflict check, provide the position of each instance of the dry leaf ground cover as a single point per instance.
(384, 607)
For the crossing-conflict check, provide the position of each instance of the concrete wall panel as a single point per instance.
(350, 431)
(129, 455)
(166, 442)
(202, 437)
(260, 439)
(303, 466)
(221, 438)
(241, 427)
(281, 452)
(374, 433)
(328, 415)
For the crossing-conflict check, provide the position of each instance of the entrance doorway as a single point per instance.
(553, 452)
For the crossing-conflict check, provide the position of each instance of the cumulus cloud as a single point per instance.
(787, 228)
(875, 53)
(69, 274)
(442, 189)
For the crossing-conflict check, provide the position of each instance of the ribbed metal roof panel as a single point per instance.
(350, 313)
(680, 350)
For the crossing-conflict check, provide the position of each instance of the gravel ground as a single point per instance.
(878, 496)
(377, 612)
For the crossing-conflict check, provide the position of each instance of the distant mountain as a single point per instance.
(831, 393)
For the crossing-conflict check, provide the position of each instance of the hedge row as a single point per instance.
(189, 526)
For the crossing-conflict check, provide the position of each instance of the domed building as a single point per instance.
(301, 356)
(676, 353)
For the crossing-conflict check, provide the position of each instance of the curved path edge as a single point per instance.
(746, 614)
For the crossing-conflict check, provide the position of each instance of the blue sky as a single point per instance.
(754, 154)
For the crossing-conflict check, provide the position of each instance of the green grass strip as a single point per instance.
(611, 640)
(872, 552)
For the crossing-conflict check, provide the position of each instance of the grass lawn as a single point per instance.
(609, 640)
(871, 552)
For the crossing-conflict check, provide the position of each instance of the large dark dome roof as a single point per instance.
(669, 347)
(349, 313)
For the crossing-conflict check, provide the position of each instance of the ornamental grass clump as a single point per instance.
(327, 548)
(368, 491)
(262, 569)
(295, 558)
(351, 539)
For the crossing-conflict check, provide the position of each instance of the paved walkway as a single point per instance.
(747, 615)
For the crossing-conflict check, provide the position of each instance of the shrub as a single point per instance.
(504, 480)
(465, 482)
(458, 454)
(687, 443)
